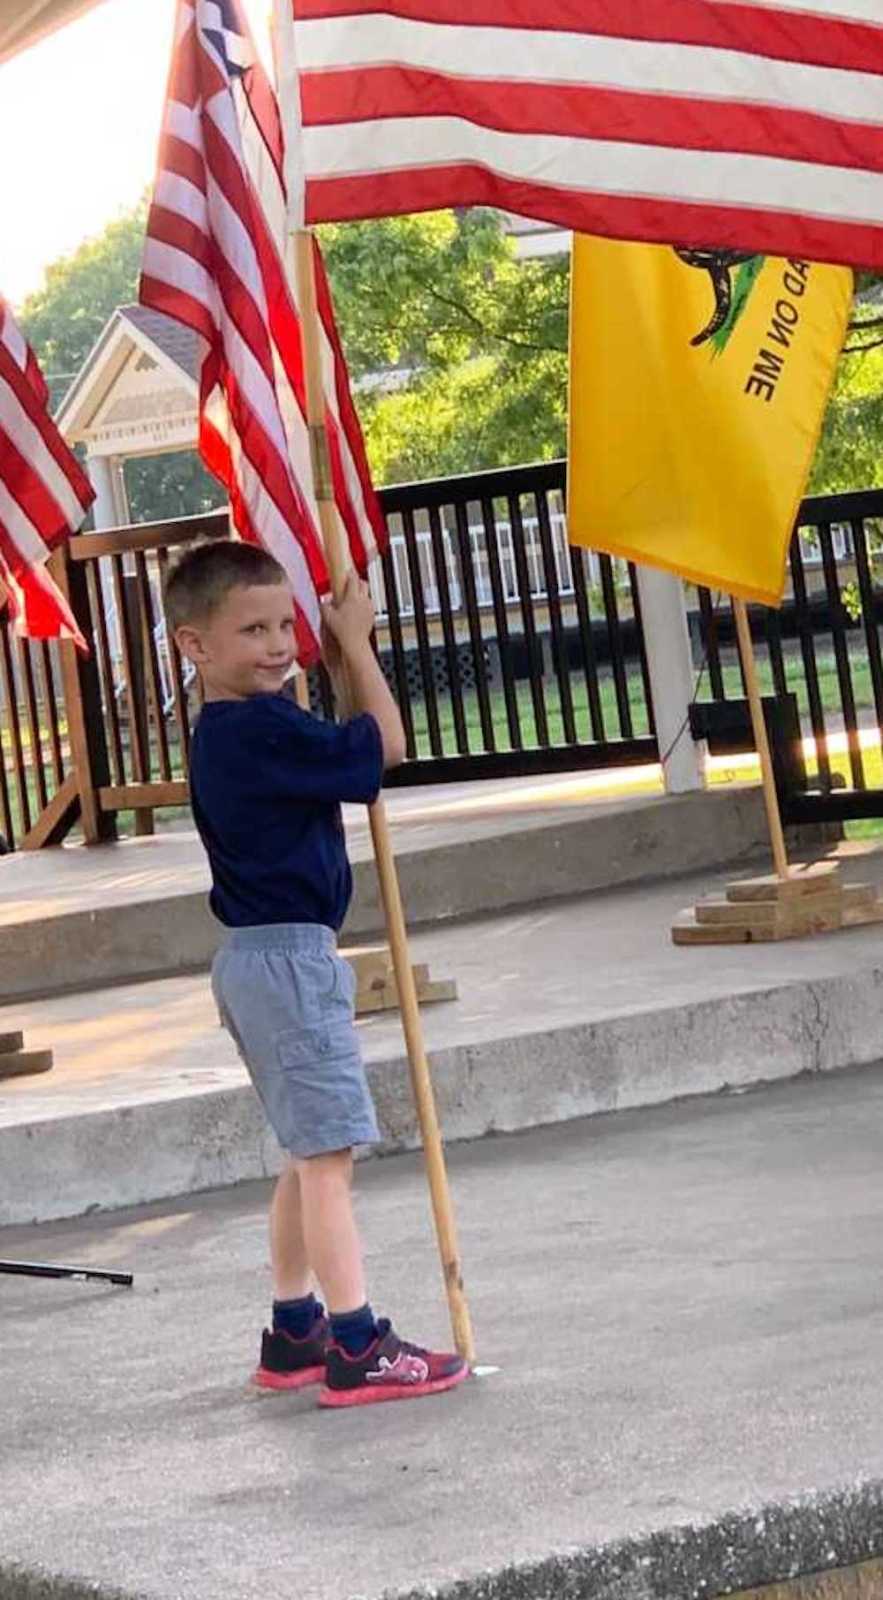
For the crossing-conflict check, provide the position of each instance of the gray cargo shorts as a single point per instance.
(287, 999)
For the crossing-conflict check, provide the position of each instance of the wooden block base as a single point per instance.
(376, 984)
(24, 1063)
(811, 900)
(16, 1062)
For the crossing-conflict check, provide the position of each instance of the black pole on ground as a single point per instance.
(48, 1269)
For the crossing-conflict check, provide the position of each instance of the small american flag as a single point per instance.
(44, 493)
(215, 258)
(756, 124)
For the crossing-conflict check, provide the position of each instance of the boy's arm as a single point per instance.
(355, 670)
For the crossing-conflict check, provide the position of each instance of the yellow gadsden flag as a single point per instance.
(698, 386)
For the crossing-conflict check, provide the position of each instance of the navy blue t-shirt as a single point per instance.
(266, 782)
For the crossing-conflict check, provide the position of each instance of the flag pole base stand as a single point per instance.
(17, 1062)
(376, 988)
(812, 899)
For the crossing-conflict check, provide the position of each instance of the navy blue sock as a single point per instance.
(354, 1330)
(296, 1317)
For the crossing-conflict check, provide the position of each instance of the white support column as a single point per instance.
(672, 677)
(101, 477)
(120, 495)
(104, 514)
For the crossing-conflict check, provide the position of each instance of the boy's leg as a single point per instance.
(292, 1275)
(293, 1353)
(333, 1247)
(366, 1361)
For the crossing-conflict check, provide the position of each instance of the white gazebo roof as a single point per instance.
(137, 392)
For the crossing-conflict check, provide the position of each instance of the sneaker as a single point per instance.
(390, 1369)
(288, 1363)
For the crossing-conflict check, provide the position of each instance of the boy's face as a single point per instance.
(247, 647)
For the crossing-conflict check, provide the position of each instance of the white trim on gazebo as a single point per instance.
(135, 395)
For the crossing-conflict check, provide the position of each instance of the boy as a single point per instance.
(266, 784)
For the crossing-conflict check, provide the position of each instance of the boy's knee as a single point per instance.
(329, 1164)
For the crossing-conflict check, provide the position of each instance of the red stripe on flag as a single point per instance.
(216, 455)
(180, 158)
(169, 227)
(176, 303)
(656, 221)
(348, 415)
(761, 30)
(30, 493)
(30, 404)
(582, 112)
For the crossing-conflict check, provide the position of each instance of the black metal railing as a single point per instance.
(823, 646)
(509, 653)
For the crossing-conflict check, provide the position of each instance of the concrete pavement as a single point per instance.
(686, 1305)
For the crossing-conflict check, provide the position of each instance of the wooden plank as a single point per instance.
(56, 820)
(687, 931)
(769, 913)
(862, 916)
(819, 915)
(149, 536)
(143, 796)
(860, 894)
(10, 1042)
(24, 1063)
(386, 999)
(815, 914)
(862, 1582)
(712, 913)
(371, 964)
(815, 878)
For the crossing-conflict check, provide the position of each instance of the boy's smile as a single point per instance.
(247, 646)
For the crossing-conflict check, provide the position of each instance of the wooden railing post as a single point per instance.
(87, 738)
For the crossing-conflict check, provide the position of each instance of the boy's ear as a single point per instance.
(190, 644)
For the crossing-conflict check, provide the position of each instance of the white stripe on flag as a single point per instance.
(712, 178)
(504, 55)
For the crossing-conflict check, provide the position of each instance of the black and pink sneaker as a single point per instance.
(288, 1363)
(390, 1369)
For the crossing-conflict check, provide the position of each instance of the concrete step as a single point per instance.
(564, 1011)
(75, 919)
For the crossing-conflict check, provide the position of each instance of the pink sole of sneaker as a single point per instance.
(339, 1399)
(263, 1379)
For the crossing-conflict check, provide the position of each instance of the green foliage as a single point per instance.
(64, 317)
(476, 342)
(458, 351)
(850, 454)
(172, 485)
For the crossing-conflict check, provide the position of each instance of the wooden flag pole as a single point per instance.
(338, 565)
(758, 722)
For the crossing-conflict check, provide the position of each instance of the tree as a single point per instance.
(63, 320)
(64, 317)
(473, 342)
(457, 349)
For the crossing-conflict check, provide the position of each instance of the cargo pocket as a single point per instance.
(324, 1079)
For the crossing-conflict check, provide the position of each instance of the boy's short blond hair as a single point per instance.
(206, 573)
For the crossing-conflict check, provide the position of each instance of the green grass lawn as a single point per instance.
(828, 684)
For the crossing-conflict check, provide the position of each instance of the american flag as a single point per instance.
(756, 124)
(215, 258)
(44, 493)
